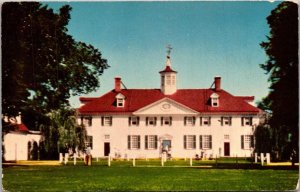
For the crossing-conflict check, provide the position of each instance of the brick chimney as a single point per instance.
(217, 83)
(117, 84)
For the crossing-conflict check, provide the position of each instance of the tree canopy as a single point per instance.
(43, 65)
(282, 68)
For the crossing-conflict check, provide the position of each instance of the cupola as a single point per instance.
(168, 77)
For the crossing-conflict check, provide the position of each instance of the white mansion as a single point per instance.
(182, 122)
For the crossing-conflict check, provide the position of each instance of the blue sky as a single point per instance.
(208, 39)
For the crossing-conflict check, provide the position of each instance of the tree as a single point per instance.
(42, 65)
(60, 133)
(282, 67)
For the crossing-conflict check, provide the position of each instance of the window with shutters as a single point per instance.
(86, 121)
(151, 142)
(89, 142)
(134, 141)
(226, 121)
(133, 120)
(106, 121)
(247, 141)
(205, 121)
(246, 121)
(189, 120)
(205, 141)
(189, 141)
(151, 121)
(166, 121)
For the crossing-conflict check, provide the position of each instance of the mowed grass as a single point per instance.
(121, 176)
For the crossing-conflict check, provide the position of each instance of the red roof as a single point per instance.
(168, 69)
(196, 99)
(247, 98)
(22, 127)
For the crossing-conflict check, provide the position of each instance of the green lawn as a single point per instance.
(121, 176)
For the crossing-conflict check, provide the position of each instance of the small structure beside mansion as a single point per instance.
(144, 123)
(20, 143)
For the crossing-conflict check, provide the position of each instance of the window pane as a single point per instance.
(107, 120)
(89, 142)
(190, 140)
(247, 141)
(151, 142)
(134, 142)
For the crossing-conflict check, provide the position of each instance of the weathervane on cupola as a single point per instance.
(169, 48)
(168, 76)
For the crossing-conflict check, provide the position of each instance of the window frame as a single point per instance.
(86, 121)
(189, 142)
(205, 142)
(133, 121)
(151, 121)
(166, 121)
(215, 102)
(168, 80)
(189, 121)
(247, 121)
(224, 119)
(120, 102)
(134, 142)
(204, 119)
(106, 120)
(89, 141)
(151, 142)
(247, 142)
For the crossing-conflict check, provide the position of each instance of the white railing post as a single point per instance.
(255, 157)
(268, 158)
(162, 160)
(191, 161)
(66, 158)
(109, 160)
(262, 158)
(60, 157)
(74, 156)
(133, 162)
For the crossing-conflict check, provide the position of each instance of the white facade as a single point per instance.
(222, 136)
(18, 145)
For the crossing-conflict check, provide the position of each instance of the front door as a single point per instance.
(106, 148)
(226, 149)
(166, 145)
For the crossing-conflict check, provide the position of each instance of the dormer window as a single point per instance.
(120, 100)
(214, 100)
